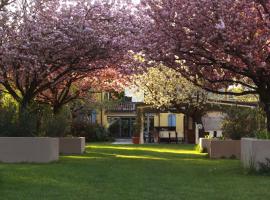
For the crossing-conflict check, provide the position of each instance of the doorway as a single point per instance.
(121, 127)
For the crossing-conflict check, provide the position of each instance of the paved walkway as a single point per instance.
(122, 141)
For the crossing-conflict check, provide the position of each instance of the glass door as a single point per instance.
(122, 127)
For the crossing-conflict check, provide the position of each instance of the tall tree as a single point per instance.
(49, 42)
(221, 42)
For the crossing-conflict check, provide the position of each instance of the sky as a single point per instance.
(137, 96)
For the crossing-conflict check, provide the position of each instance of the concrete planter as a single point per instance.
(225, 149)
(28, 149)
(204, 144)
(71, 145)
(254, 151)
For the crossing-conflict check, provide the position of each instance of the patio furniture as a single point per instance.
(168, 134)
(149, 138)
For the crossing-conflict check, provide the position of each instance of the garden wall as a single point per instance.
(254, 151)
(71, 145)
(28, 149)
(225, 149)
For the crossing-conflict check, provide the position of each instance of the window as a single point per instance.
(93, 117)
(172, 120)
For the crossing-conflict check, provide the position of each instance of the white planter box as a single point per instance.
(225, 149)
(28, 149)
(71, 145)
(254, 151)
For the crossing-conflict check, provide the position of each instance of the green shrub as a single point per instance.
(264, 168)
(27, 124)
(35, 120)
(207, 136)
(262, 134)
(242, 122)
(91, 132)
(199, 149)
(8, 120)
(100, 133)
(14, 123)
(8, 115)
(56, 125)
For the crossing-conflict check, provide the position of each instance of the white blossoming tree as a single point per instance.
(164, 88)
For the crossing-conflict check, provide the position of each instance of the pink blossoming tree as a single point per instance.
(221, 42)
(49, 45)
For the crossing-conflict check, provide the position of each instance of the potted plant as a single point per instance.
(137, 127)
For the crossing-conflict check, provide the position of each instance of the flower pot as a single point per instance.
(136, 140)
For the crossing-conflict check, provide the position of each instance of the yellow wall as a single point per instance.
(102, 117)
(164, 122)
(180, 124)
(101, 114)
(156, 120)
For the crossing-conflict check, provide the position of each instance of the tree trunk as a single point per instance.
(268, 119)
(197, 117)
(267, 114)
(25, 102)
(23, 105)
(142, 128)
(56, 109)
(265, 100)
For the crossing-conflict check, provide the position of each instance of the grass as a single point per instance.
(129, 172)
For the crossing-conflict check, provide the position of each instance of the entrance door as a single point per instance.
(125, 127)
(121, 127)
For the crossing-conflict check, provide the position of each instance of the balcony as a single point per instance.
(123, 107)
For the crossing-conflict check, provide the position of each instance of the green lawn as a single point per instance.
(123, 172)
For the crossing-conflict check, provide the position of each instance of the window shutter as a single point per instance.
(172, 120)
(94, 117)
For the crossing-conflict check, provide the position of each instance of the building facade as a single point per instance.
(119, 118)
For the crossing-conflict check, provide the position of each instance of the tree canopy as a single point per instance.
(164, 87)
(46, 45)
(221, 43)
(49, 47)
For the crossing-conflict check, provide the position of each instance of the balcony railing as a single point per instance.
(123, 107)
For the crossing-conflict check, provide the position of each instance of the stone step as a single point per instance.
(122, 141)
